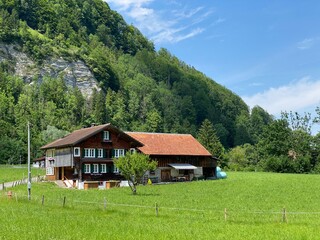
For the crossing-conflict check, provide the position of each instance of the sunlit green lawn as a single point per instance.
(195, 210)
(17, 172)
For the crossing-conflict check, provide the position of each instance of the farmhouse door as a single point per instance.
(165, 175)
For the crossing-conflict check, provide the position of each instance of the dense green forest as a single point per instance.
(141, 90)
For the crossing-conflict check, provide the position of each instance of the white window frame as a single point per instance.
(50, 153)
(95, 168)
(119, 152)
(106, 135)
(49, 171)
(100, 152)
(116, 170)
(87, 168)
(103, 168)
(133, 150)
(89, 153)
(74, 152)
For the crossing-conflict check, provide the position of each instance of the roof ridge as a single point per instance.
(159, 133)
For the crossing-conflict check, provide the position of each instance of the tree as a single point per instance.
(275, 139)
(52, 133)
(208, 138)
(133, 167)
(259, 118)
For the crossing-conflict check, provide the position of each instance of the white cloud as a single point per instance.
(306, 43)
(170, 25)
(296, 96)
(187, 13)
(218, 21)
(176, 35)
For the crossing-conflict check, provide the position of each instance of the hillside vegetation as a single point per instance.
(254, 205)
(135, 88)
(142, 89)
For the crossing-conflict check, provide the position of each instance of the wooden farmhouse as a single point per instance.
(88, 154)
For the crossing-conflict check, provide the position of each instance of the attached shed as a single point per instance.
(179, 156)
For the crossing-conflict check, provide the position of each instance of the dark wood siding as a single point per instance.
(197, 161)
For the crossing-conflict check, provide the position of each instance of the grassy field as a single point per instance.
(17, 172)
(195, 210)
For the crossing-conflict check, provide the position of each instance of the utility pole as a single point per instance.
(29, 166)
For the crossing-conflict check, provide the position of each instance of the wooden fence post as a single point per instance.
(64, 201)
(225, 214)
(157, 209)
(284, 215)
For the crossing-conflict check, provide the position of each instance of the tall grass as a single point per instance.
(195, 210)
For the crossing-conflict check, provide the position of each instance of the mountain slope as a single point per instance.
(141, 89)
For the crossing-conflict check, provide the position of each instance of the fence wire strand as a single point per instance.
(229, 214)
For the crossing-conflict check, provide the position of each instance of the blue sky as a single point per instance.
(267, 52)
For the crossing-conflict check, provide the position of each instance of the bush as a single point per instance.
(284, 164)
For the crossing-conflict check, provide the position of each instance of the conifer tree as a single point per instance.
(208, 138)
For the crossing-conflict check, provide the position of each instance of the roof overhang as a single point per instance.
(182, 166)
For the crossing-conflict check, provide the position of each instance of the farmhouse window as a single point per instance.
(103, 168)
(116, 170)
(100, 153)
(118, 153)
(106, 135)
(76, 152)
(87, 168)
(49, 171)
(95, 168)
(89, 152)
(132, 150)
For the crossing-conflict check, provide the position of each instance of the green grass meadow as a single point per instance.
(10, 173)
(190, 210)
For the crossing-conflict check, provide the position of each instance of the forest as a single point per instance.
(141, 90)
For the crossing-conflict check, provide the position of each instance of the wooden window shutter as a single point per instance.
(112, 153)
(104, 153)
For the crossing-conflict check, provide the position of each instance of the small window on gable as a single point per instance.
(106, 135)
(76, 152)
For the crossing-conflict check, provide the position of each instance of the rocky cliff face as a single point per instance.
(74, 73)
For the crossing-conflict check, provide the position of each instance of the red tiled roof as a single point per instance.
(82, 134)
(169, 144)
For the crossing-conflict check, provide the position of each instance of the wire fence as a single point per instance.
(226, 214)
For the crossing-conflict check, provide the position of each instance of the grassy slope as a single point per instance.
(11, 173)
(250, 198)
